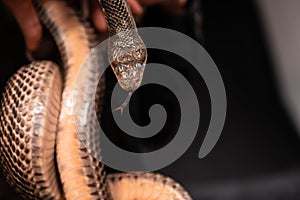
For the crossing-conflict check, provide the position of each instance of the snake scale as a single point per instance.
(42, 155)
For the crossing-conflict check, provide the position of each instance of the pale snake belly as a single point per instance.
(42, 155)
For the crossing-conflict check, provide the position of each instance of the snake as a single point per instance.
(42, 154)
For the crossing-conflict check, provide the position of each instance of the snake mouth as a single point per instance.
(129, 74)
(131, 83)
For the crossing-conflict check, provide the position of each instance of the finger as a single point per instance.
(136, 8)
(98, 17)
(28, 21)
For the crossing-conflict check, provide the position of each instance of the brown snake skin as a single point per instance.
(41, 153)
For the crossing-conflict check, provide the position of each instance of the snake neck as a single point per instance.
(118, 16)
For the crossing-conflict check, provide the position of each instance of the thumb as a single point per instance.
(28, 21)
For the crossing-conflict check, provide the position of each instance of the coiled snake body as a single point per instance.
(42, 155)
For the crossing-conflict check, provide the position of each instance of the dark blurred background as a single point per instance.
(253, 44)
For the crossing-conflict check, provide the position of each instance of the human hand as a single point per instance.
(31, 28)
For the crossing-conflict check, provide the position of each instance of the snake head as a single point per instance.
(129, 68)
